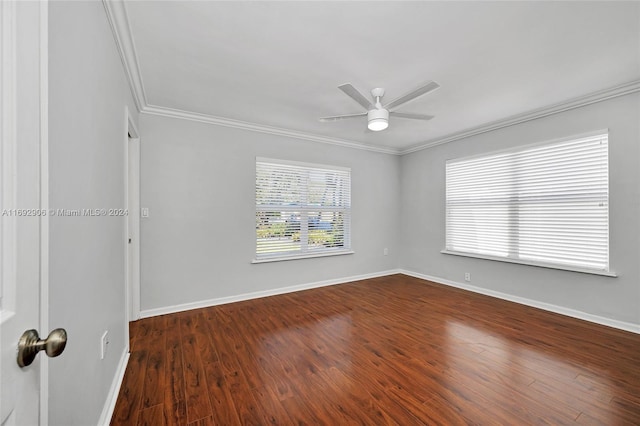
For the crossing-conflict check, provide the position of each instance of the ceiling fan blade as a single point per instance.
(425, 88)
(354, 94)
(413, 116)
(342, 117)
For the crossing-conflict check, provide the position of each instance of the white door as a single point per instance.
(24, 222)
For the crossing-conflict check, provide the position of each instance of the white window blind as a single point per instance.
(301, 209)
(547, 204)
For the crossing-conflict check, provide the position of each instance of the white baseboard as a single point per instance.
(627, 326)
(257, 294)
(112, 397)
(634, 328)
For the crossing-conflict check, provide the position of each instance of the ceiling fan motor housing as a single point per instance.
(378, 92)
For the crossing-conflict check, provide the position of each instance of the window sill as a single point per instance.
(302, 256)
(530, 263)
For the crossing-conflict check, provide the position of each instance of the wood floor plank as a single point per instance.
(174, 392)
(393, 350)
(196, 396)
(233, 383)
(207, 421)
(630, 408)
(153, 388)
(128, 402)
(150, 330)
(223, 408)
(134, 328)
(152, 416)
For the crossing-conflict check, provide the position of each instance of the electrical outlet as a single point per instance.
(385, 251)
(104, 344)
(467, 276)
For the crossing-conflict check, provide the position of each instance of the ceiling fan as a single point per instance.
(378, 114)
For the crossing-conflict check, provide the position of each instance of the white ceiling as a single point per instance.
(278, 64)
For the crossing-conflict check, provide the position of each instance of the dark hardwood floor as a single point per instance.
(390, 350)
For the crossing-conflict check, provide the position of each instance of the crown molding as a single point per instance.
(237, 124)
(599, 96)
(602, 95)
(119, 22)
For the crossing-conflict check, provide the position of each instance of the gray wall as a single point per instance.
(198, 181)
(423, 215)
(87, 97)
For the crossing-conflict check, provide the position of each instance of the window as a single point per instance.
(545, 205)
(302, 210)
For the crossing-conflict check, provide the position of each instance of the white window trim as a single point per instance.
(305, 256)
(313, 254)
(301, 164)
(607, 273)
(531, 263)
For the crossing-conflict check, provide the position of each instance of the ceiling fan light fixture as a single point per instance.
(378, 119)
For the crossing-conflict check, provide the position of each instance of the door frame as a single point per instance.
(8, 156)
(8, 192)
(44, 205)
(131, 221)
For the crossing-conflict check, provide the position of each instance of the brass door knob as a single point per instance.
(30, 344)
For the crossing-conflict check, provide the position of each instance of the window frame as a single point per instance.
(558, 266)
(305, 253)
